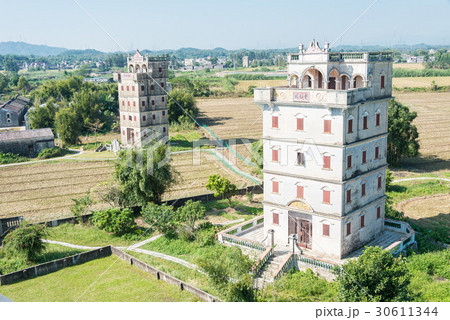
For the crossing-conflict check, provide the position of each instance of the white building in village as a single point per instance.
(325, 141)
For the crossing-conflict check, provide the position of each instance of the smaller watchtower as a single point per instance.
(143, 99)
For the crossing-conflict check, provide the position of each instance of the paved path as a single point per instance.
(420, 178)
(78, 152)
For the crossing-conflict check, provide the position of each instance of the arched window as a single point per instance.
(345, 82)
(358, 82)
(294, 83)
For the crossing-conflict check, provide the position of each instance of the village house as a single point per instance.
(27, 143)
(12, 112)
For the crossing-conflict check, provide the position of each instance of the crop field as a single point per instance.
(232, 118)
(414, 82)
(413, 66)
(433, 126)
(244, 84)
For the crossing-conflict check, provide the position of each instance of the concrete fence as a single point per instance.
(160, 275)
(55, 265)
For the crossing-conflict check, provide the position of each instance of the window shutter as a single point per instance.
(349, 162)
(377, 121)
(363, 189)
(326, 162)
(300, 192)
(142, 88)
(274, 155)
(382, 82)
(153, 102)
(378, 212)
(362, 221)
(152, 87)
(379, 182)
(132, 88)
(327, 126)
(350, 126)
(144, 118)
(275, 185)
(275, 218)
(300, 124)
(365, 122)
(300, 158)
(154, 117)
(364, 159)
(143, 103)
(128, 88)
(326, 230)
(349, 196)
(274, 122)
(123, 103)
(134, 103)
(134, 118)
(123, 117)
(349, 228)
(326, 196)
(377, 151)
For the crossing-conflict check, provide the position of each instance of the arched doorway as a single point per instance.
(312, 78)
(332, 79)
(358, 82)
(345, 82)
(137, 68)
(144, 68)
(131, 68)
(294, 83)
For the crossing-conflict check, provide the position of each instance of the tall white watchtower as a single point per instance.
(325, 141)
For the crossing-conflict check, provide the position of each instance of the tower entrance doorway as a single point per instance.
(300, 224)
(130, 136)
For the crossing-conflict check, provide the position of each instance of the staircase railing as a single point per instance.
(262, 259)
(315, 262)
(286, 265)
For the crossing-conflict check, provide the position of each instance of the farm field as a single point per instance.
(433, 129)
(44, 191)
(121, 282)
(244, 84)
(414, 66)
(414, 82)
(232, 118)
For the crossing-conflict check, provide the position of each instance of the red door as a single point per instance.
(304, 233)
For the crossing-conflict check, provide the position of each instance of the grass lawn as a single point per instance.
(183, 140)
(417, 188)
(121, 282)
(218, 211)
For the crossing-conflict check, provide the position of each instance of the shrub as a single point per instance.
(115, 221)
(9, 157)
(52, 153)
(160, 217)
(26, 240)
(190, 213)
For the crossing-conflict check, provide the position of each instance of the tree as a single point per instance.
(403, 135)
(180, 103)
(160, 217)
(3, 82)
(43, 116)
(27, 240)
(10, 64)
(222, 187)
(23, 84)
(143, 175)
(67, 125)
(114, 220)
(190, 213)
(375, 276)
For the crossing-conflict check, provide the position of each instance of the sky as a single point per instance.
(231, 24)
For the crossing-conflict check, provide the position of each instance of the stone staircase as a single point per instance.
(267, 273)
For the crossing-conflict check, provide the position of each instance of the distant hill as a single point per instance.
(27, 49)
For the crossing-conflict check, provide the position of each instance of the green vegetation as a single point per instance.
(183, 140)
(115, 221)
(222, 187)
(6, 158)
(160, 217)
(300, 287)
(375, 276)
(143, 176)
(402, 73)
(181, 105)
(403, 135)
(26, 241)
(53, 153)
(190, 213)
(121, 282)
(411, 189)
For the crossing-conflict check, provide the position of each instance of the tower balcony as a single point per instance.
(337, 98)
(305, 57)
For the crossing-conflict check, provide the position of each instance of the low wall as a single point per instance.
(55, 265)
(163, 276)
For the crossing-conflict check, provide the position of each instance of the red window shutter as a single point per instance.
(300, 124)
(132, 88)
(128, 88)
(377, 119)
(326, 230)
(123, 131)
(362, 221)
(274, 122)
(349, 162)
(377, 152)
(327, 126)
(134, 118)
(275, 218)
(134, 103)
(350, 126)
(349, 196)
(326, 162)
(143, 103)
(300, 192)
(365, 122)
(123, 117)
(378, 212)
(121, 88)
(153, 102)
(364, 159)
(349, 228)
(275, 185)
(379, 182)
(123, 103)
(128, 103)
(382, 82)
(363, 189)
(274, 155)
(326, 196)
(137, 134)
